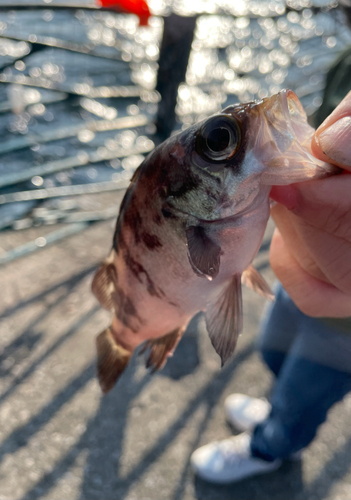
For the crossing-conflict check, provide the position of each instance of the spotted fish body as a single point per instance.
(190, 225)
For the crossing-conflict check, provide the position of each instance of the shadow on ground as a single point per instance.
(106, 473)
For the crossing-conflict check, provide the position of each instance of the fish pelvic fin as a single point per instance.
(254, 280)
(104, 282)
(112, 359)
(224, 319)
(160, 349)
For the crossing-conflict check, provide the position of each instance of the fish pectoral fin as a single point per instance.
(104, 281)
(160, 349)
(203, 253)
(224, 319)
(111, 360)
(254, 280)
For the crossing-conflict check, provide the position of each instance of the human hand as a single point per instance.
(311, 247)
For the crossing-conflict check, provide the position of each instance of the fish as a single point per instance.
(190, 225)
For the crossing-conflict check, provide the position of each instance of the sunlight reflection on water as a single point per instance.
(98, 67)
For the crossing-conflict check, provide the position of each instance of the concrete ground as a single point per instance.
(61, 439)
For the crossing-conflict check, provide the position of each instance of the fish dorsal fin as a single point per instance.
(104, 282)
(203, 253)
(224, 319)
(160, 349)
(254, 280)
(111, 360)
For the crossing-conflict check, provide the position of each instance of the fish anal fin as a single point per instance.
(203, 253)
(160, 349)
(112, 359)
(254, 280)
(224, 319)
(104, 282)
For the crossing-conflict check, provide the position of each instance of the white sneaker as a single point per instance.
(244, 412)
(229, 461)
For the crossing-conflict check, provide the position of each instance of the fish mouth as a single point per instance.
(285, 105)
(285, 117)
(281, 141)
(284, 146)
(290, 103)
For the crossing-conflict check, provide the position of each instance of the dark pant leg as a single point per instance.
(309, 383)
(278, 330)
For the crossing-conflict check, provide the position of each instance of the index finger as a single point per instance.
(323, 203)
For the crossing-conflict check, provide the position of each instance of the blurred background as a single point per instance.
(85, 94)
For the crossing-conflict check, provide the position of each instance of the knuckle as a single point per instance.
(338, 222)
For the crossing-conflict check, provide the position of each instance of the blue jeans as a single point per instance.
(312, 365)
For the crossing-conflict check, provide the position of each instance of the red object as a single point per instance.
(138, 7)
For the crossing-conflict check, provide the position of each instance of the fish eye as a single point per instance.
(219, 138)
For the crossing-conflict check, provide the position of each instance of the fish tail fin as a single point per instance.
(161, 349)
(112, 359)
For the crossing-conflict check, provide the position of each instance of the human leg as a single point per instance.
(278, 330)
(309, 384)
(314, 375)
(277, 333)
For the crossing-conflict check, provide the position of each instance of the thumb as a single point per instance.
(332, 140)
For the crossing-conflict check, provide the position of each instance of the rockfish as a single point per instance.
(189, 226)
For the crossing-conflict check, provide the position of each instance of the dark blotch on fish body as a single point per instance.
(130, 218)
(139, 272)
(136, 268)
(151, 241)
(125, 308)
(167, 214)
(153, 290)
(157, 219)
(134, 221)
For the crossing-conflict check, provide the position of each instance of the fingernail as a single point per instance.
(335, 141)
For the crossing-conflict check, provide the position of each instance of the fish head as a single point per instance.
(232, 159)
